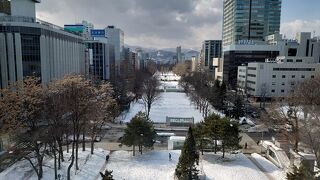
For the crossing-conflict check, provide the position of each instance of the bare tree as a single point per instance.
(78, 95)
(180, 69)
(150, 93)
(104, 109)
(26, 119)
(308, 96)
(264, 92)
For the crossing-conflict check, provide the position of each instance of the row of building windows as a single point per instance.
(252, 68)
(252, 75)
(273, 91)
(251, 82)
(283, 83)
(294, 69)
(293, 76)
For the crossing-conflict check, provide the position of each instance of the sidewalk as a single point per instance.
(252, 146)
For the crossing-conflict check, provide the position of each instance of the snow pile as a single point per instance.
(233, 167)
(89, 165)
(149, 166)
(269, 167)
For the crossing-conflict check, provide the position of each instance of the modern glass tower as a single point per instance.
(250, 19)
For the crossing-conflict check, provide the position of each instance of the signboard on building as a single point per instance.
(77, 28)
(245, 42)
(98, 33)
(179, 121)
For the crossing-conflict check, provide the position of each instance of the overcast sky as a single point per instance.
(169, 23)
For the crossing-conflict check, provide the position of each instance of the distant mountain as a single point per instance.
(188, 55)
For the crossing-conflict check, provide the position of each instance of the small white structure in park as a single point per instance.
(176, 142)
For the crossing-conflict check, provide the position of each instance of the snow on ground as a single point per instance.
(171, 104)
(90, 166)
(234, 167)
(153, 165)
(269, 167)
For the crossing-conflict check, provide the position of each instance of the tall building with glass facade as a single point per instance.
(250, 20)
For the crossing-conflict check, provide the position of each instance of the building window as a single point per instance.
(252, 68)
(312, 77)
(290, 60)
(282, 90)
(302, 76)
(274, 83)
(274, 76)
(283, 76)
(283, 83)
(292, 52)
(292, 83)
(251, 75)
(293, 76)
(273, 91)
(299, 60)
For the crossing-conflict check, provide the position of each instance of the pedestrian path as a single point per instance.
(260, 167)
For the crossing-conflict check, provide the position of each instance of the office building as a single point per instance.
(250, 20)
(116, 38)
(298, 60)
(237, 55)
(134, 60)
(276, 78)
(178, 55)
(33, 47)
(210, 49)
(101, 61)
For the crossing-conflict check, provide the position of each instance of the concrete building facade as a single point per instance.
(33, 47)
(298, 59)
(179, 54)
(116, 38)
(250, 20)
(102, 60)
(276, 78)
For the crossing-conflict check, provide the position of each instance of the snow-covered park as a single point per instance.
(172, 104)
(155, 165)
(152, 165)
(89, 165)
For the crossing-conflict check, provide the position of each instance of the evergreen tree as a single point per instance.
(238, 107)
(139, 132)
(186, 168)
(200, 136)
(229, 135)
(107, 175)
(213, 130)
(218, 95)
(300, 173)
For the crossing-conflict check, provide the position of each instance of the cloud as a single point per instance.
(147, 23)
(289, 29)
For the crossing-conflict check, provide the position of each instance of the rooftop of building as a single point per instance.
(7, 20)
